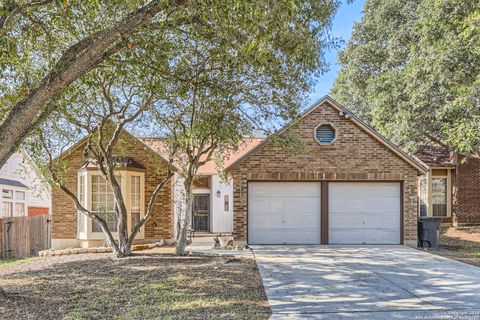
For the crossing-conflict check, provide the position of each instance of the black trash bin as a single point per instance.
(428, 231)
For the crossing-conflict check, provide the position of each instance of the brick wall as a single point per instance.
(354, 155)
(466, 191)
(160, 225)
(34, 211)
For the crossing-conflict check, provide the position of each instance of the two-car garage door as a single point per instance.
(290, 213)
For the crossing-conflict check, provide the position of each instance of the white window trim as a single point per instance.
(335, 129)
(13, 201)
(430, 176)
(125, 187)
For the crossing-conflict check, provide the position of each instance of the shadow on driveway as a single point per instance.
(377, 282)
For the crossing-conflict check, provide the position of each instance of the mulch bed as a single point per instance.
(153, 284)
(462, 244)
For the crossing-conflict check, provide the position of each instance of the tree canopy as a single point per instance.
(412, 69)
(48, 45)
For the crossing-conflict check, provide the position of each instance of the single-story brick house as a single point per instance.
(346, 185)
(451, 187)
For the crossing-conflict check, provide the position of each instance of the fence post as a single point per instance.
(2, 250)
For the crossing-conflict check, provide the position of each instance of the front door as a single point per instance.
(201, 212)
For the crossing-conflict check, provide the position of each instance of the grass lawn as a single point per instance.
(8, 261)
(149, 285)
(462, 244)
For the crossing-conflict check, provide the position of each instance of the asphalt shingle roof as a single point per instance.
(12, 183)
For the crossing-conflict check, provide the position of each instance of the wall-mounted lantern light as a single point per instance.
(219, 194)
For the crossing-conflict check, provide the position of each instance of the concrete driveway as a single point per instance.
(362, 282)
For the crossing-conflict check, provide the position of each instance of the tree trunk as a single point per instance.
(183, 232)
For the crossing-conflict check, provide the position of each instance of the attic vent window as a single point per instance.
(325, 134)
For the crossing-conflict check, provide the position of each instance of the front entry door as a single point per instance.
(201, 212)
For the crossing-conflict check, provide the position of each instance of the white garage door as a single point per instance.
(283, 213)
(364, 213)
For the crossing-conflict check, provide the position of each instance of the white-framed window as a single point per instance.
(226, 203)
(423, 196)
(135, 200)
(434, 193)
(439, 197)
(95, 193)
(81, 198)
(103, 204)
(13, 203)
(7, 203)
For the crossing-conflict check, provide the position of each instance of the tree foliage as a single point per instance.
(215, 98)
(229, 70)
(412, 70)
(99, 107)
(47, 46)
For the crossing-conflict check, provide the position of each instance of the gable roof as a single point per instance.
(414, 162)
(124, 131)
(210, 168)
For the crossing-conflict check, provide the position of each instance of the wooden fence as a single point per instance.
(22, 237)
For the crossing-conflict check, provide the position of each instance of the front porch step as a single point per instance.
(207, 240)
(203, 240)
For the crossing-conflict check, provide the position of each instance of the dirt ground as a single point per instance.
(152, 284)
(461, 244)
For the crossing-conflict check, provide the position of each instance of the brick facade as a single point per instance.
(160, 225)
(466, 191)
(354, 156)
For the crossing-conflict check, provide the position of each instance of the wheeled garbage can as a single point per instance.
(428, 231)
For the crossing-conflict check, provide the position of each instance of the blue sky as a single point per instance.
(342, 27)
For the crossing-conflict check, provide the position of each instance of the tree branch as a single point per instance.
(76, 61)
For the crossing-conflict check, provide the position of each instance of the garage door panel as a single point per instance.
(382, 236)
(373, 221)
(283, 212)
(283, 237)
(364, 213)
(283, 189)
(285, 221)
(338, 220)
(268, 206)
(345, 236)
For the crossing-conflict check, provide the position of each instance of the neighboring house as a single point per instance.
(451, 188)
(351, 186)
(23, 191)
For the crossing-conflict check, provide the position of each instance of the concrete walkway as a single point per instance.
(381, 282)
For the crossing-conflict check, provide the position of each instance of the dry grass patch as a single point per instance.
(462, 244)
(149, 285)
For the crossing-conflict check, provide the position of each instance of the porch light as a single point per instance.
(219, 194)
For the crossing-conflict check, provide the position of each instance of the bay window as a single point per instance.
(95, 194)
(135, 200)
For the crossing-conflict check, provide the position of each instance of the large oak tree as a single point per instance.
(412, 69)
(210, 81)
(46, 45)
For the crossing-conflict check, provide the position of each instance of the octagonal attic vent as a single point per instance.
(325, 134)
